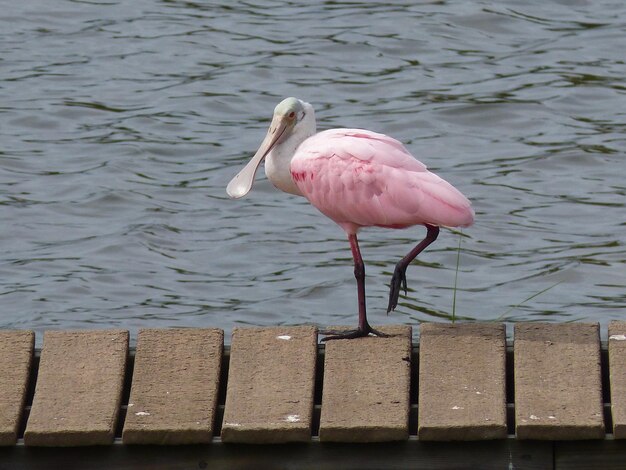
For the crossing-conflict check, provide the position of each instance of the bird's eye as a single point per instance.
(291, 115)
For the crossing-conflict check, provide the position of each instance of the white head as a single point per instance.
(292, 118)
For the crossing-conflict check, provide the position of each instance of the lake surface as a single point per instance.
(121, 124)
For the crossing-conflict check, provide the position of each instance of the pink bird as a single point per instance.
(357, 178)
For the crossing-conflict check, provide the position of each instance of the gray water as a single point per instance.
(121, 123)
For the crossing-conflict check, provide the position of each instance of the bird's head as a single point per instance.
(287, 115)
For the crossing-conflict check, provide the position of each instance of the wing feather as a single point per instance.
(359, 178)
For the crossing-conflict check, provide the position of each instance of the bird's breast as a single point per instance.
(278, 171)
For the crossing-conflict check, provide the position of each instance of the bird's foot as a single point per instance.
(350, 334)
(398, 280)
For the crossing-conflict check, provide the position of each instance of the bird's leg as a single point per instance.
(364, 328)
(399, 275)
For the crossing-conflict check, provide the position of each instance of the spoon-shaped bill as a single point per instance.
(241, 184)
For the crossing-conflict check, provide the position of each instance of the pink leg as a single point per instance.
(364, 328)
(399, 275)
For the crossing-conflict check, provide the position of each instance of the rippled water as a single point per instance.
(122, 122)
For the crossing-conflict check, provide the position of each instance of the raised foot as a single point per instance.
(398, 280)
(350, 334)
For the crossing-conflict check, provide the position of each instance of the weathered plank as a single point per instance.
(617, 376)
(462, 381)
(606, 454)
(271, 382)
(79, 387)
(175, 385)
(401, 455)
(558, 391)
(366, 388)
(16, 352)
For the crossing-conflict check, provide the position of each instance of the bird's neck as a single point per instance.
(278, 161)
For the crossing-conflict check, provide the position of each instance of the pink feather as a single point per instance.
(360, 178)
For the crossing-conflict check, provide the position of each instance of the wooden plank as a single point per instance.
(175, 386)
(79, 387)
(401, 455)
(462, 381)
(607, 454)
(558, 391)
(617, 377)
(366, 388)
(16, 352)
(271, 382)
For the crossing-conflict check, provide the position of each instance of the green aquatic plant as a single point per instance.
(537, 294)
(456, 277)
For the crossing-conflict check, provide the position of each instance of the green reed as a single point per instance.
(456, 277)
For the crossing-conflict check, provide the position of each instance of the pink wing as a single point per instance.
(360, 178)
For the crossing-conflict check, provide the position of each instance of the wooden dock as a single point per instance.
(554, 397)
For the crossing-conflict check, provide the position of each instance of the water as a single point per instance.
(122, 122)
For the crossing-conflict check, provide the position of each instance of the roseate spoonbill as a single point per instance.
(357, 178)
